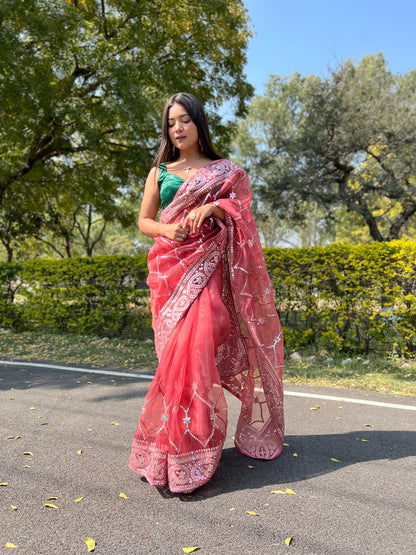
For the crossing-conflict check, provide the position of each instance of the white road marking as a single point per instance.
(150, 377)
(350, 400)
(74, 369)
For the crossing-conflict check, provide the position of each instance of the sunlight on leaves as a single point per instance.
(90, 543)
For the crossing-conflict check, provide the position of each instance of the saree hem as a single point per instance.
(183, 472)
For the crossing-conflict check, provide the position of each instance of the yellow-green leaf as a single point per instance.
(10, 545)
(252, 513)
(289, 540)
(90, 544)
(190, 549)
(78, 500)
(123, 495)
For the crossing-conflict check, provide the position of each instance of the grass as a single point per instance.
(387, 375)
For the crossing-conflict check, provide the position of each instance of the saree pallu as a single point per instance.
(215, 327)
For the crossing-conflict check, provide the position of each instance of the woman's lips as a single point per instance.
(179, 139)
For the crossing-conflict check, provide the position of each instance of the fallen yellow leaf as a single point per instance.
(90, 544)
(369, 425)
(13, 507)
(10, 437)
(335, 460)
(288, 541)
(315, 408)
(32, 408)
(10, 545)
(53, 498)
(252, 513)
(50, 506)
(79, 452)
(290, 491)
(295, 454)
(123, 495)
(286, 444)
(115, 423)
(250, 466)
(78, 500)
(278, 491)
(89, 429)
(190, 549)
(27, 466)
(4, 484)
(364, 440)
(28, 453)
(17, 437)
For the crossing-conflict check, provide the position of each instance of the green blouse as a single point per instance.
(169, 183)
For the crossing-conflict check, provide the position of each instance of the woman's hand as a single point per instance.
(196, 217)
(176, 231)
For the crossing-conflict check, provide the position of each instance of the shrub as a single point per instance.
(346, 298)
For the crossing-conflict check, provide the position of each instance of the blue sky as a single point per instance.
(308, 35)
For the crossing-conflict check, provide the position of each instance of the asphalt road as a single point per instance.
(363, 502)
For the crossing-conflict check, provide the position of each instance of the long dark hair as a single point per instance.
(197, 113)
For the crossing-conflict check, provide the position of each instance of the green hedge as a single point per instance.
(346, 298)
(350, 298)
(104, 295)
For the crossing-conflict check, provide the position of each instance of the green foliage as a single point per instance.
(102, 295)
(342, 298)
(347, 298)
(347, 140)
(82, 87)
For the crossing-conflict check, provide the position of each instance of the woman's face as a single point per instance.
(181, 129)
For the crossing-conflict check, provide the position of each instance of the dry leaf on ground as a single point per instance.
(90, 543)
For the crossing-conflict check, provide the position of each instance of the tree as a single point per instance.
(83, 82)
(345, 141)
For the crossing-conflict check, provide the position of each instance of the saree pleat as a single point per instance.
(215, 327)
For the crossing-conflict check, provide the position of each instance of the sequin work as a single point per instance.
(215, 327)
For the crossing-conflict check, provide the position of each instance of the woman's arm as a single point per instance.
(149, 209)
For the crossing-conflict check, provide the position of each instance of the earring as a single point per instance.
(200, 145)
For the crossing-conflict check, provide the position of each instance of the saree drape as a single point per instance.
(215, 327)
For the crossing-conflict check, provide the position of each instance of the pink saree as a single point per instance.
(215, 327)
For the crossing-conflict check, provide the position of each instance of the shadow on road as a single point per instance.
(314, 454)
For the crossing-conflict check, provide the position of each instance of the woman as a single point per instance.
(213, 312)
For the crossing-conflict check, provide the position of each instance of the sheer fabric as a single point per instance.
(215, 327)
